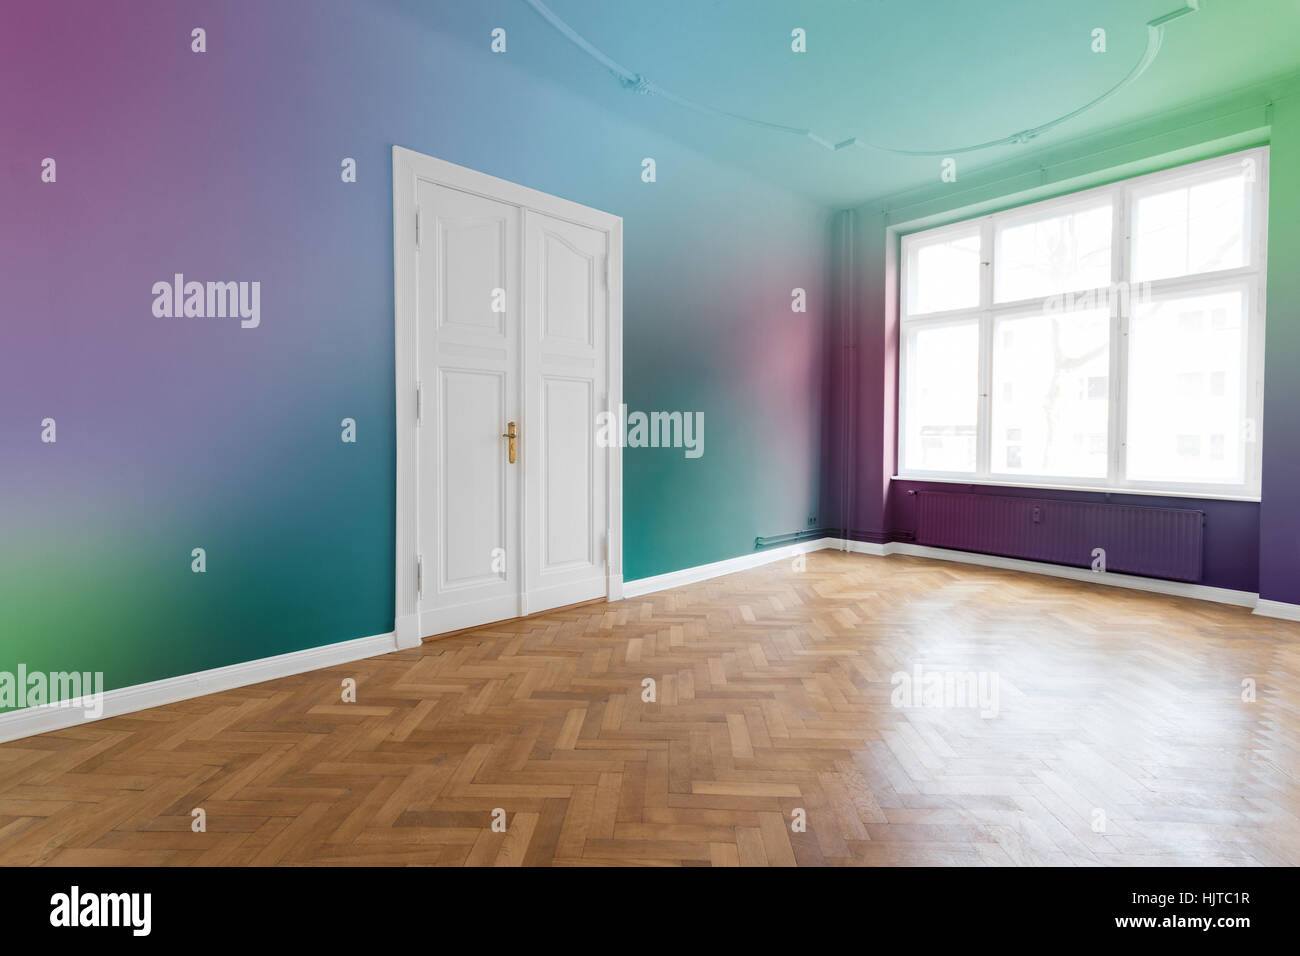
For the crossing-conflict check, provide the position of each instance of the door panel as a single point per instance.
(568, 417)
(568, 285)
(472, 495)
(475, 257)
(565, 297)
(467, 299)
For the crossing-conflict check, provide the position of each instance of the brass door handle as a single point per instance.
(512, 434)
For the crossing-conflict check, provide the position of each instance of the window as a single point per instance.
(1108, 339)
(945, 395)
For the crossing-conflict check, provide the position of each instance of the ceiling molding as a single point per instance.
(1230, 121)
(638, 83)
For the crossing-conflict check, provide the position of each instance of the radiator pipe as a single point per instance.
(793, 536)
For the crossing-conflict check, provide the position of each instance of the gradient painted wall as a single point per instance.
(174, 434)
(1279, 538)
(1253, 547)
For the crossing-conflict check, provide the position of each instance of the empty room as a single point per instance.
(586, 434)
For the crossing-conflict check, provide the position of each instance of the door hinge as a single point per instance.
(419, 575)
(419, 403)
(417, 227)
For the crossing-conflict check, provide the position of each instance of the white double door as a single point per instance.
(512, 309)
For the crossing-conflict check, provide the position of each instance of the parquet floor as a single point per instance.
(1121, 737)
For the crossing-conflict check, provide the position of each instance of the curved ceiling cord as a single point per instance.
(638, 83)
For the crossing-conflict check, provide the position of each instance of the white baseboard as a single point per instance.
(864, 547)
(703, 572)
(1278, 609)
(1201, 592)
(125, 700)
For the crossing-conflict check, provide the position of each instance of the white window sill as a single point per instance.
(994, 483)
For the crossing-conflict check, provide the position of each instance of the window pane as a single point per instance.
(1051, 391)
(944, 275)
(1066, 252)
(942, 398)
(1187, 389)
(1194, 228)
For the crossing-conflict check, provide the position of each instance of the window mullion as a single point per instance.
(1256, 341)
(1119, 231)
(983, 429)
(986, 263)
(1255, 377)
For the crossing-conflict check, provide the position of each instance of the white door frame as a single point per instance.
(410, 167)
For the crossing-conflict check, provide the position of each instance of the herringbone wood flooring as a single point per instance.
(774, 693)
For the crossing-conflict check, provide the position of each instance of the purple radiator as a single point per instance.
(1153, 542)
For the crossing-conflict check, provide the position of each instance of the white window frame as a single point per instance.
(1252, 277)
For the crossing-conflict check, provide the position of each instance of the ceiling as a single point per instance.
(906, 74)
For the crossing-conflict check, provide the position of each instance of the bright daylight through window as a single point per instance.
(1111, 338)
